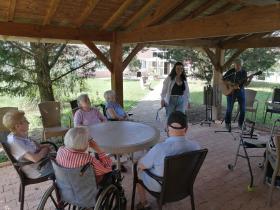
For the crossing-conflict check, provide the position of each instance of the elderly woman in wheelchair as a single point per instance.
(82, 180)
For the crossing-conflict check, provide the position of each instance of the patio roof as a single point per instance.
(200, 23)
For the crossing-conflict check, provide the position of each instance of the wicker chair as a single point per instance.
(50, 113)
(273, 106)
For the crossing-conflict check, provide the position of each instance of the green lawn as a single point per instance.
(264, 93)
(94, 87)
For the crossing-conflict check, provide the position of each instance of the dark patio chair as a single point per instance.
(24, 181)
(179, 175)
(273, 106)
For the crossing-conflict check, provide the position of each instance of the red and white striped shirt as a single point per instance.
(72, 159)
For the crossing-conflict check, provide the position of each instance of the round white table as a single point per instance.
(123, 137)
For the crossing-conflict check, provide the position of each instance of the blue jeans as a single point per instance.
(176, 103)
(238, 95)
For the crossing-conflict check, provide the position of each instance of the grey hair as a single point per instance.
(109, 93)
(77, 138)
(238, 61)
(81, 97)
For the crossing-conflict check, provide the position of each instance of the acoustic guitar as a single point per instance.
(228, 87)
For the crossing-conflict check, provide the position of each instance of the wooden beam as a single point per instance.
(140, 13)
(11, 12)
(161, 11)
(211, 56)
(202, 8)
(231, 59)
(117, 73)
(98, 54)
(265, 19)
(53, 32)
(51, 11)
(254, 43)
(86, 13)
(117, 14)
(135, 50)
(187, 43)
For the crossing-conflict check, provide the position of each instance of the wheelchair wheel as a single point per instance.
(109, 199)
(51, 201)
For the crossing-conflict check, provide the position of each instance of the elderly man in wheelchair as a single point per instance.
(83, 181)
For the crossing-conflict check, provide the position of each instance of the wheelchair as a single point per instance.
(76, 189)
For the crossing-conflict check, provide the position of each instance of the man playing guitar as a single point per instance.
(237, 76)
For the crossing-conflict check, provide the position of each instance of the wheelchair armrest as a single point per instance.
(84, 168)
(50, 143)
(21, 164)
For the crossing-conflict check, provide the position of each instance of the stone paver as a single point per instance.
(216, 188)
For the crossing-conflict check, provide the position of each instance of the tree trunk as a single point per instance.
(43, 70)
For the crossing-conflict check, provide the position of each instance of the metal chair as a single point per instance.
(273, 106)
(24, 180)
(273, 158)
(179, 175)
(50, 113)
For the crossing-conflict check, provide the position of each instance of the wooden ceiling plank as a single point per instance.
(98, 54)
(161, 11)
(187, 43)
(51, 11)
(117, 14)
(11, 12)
(202, 8)
(266, 19)
(86, 13)
(53, 32)
(223, 9)
(140, 13)
(173, 12)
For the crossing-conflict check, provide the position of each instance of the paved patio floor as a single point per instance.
(216, 188)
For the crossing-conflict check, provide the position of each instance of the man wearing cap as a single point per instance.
(176, 143)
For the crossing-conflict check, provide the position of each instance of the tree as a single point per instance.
(198, 64)
(34, 69)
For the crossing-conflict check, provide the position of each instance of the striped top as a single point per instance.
(72, 159)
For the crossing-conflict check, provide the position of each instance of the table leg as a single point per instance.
(118, 162)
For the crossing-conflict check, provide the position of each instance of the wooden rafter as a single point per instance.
(140, 13)
(51, 11)
(223, 8)
(98, 54)
(161, 11)
(135, 50)
(53, 32)
(265, 19)
(173, 12)
(12, 7)
(202, 8)
(232, 58)
(117, 14)
(86, 13)
(187, 43)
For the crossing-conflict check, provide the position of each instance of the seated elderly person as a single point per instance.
(87, 115)
(23, 148)
(114, 110)
(74, 154)
(154, 159)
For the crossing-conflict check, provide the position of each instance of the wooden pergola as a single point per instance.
(209, 24)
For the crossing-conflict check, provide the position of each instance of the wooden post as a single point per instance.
(217, 75)
(117, 70)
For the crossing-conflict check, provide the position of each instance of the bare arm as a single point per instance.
(36, 157)
(113, 114)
